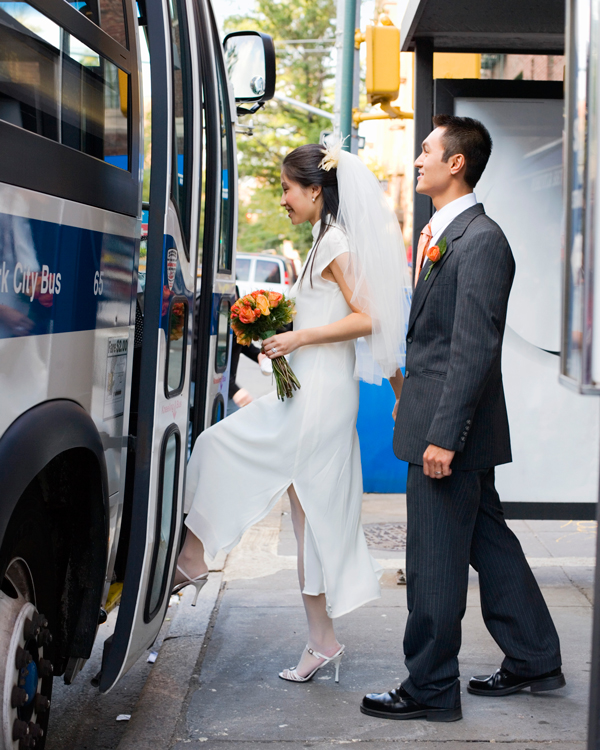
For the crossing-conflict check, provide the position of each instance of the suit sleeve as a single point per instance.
(484, 279)
(251, 352)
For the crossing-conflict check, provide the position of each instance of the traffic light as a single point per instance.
(383, 70)
(383, 61)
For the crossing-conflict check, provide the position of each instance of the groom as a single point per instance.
(452, 428)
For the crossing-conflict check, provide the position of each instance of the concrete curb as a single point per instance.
(157, 711)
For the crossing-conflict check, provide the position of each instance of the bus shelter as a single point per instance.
(543, 197)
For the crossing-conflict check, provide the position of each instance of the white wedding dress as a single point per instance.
(241, 466)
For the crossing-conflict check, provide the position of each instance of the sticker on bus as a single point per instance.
(116, 370)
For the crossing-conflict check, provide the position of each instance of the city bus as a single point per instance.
(117, 236)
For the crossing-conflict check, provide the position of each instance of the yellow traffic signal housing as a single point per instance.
(383, 61)
(383, 71)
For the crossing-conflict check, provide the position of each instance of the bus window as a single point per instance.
(223, 336)
(108, 14)
(165, 522)
(218, 410)
(181, 108)
(147, 108)
(227, 173)
(202, 187)
(54, 85)
(176, 346)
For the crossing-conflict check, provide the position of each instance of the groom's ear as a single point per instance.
(457, 164)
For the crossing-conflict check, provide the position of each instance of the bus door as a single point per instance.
(244, 72)
(216, 272)
(187, 123)
(157, 460)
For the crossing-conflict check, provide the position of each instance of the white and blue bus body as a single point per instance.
(104, 379)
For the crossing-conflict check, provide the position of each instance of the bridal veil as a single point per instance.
(377, 269)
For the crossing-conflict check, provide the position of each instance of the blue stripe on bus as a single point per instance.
(50, 278)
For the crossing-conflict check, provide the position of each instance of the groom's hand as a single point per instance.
(436, 462)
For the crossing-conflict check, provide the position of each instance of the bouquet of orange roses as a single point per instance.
(258, 316)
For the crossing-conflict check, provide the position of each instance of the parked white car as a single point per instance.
(271, 272)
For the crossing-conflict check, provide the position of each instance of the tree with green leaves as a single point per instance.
(304, 72)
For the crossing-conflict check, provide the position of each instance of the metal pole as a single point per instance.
(594, 715)
(593, 742)
(304, 106)
(356, 83)
(339, 57)
(347, 92)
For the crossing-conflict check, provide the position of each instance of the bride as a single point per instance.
(353, 285)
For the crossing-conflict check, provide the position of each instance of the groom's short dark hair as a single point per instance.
(463, 135)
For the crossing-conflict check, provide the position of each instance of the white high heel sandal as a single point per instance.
(291, 675)
(197, 583)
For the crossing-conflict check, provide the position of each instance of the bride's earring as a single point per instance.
(313, 198)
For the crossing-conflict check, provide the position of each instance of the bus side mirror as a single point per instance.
(250, 63)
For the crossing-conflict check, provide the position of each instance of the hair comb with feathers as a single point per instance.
(331, 157)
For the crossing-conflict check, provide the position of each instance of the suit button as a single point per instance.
(463, 439)
(468, 421)
(406, 374)
(409, 340)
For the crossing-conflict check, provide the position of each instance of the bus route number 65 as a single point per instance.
(98, 282)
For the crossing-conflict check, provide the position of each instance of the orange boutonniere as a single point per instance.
(434, 253)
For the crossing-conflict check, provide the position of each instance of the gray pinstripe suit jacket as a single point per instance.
(453, 395)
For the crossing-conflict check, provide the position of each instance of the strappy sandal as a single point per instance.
(197, 583)
(291, 675)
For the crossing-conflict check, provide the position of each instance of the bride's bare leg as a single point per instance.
(321, 636)
(191, 558)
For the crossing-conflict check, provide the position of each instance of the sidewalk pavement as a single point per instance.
(214, 685)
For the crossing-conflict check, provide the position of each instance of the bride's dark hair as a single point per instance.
(302, 166)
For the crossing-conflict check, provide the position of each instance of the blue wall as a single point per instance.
(382, 471)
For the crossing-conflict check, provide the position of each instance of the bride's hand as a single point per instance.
(281, 344)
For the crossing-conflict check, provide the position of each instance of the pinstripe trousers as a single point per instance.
(454, 522)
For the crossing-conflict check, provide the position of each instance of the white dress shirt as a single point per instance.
(445, 216)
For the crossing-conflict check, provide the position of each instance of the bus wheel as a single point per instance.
(25, 640)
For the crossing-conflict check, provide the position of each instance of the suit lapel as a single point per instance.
(454, 230)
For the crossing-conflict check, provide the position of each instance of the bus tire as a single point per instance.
(28, 612)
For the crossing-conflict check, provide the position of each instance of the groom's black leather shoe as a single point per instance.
(398, 704)
(503, 682)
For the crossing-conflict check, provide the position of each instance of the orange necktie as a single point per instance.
(424, 241)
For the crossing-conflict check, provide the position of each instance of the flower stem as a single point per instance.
(285, 378)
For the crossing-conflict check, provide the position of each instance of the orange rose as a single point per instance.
(262, 303)
(257, 313)
(247, 314)
(433, 253)
(248, 300)
(275, 298)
